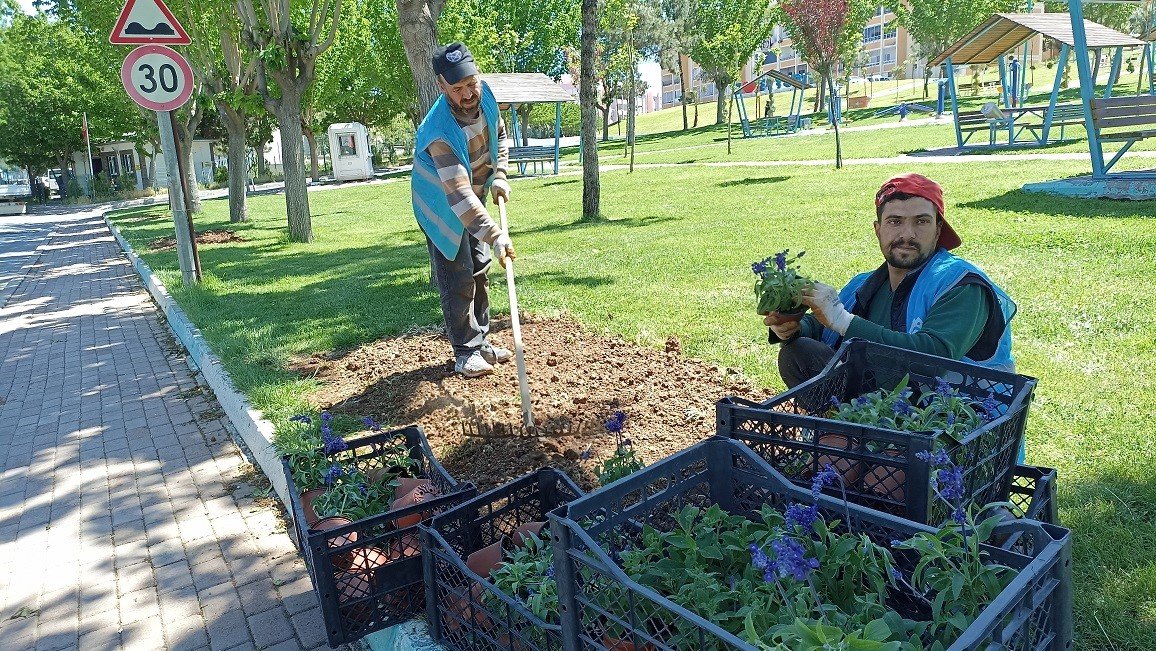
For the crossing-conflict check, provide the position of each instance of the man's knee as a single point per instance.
(802, 359)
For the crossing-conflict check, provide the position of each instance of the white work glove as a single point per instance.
(783, 329)
(500, 188)
(828, 309)
(503, 248)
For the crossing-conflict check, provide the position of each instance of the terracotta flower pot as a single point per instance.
(616, 644)
(487, 558)
(474, 614)
(307, 499)
(522, 533)
(340, 561)
(849, 469)
(410, 493)
(351, 586)
(405, 546)
(888, 481)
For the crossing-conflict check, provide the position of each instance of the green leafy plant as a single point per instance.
(779, 286)
(623, 462)
(943, 411)
(352, 495)
(527, 576)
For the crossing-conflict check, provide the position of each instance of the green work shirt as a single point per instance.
(952, 327)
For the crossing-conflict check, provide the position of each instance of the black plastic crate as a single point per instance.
(466, 611)
(1033, 494)
(368, 574)
(879, 466)
(1032, 613)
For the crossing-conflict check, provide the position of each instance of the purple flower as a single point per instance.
(326, 417)
(835, 402)
(902, 408)
(781, 260)
(951, 419)
(790, 559)
(585, 454)
(990, 407)
(759, 558)
(550, 572)
(363, 488)
(896, 574)
(759, 268)
(950, 480)
(616, 422)
(301, 418)
(335, 444)
(826, 477)
(936, 459)
(862, 401)
(333, 474)
(625, 443)
(326, 431)
(370, 423)
(895, 542)
(958, 515)
(802, 516)
(943, 388)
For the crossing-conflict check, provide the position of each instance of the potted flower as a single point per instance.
(779, 285)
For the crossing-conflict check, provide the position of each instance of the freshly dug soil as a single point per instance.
(206, 237)
(577, 381)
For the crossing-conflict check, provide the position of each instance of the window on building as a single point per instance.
(127, 163)
(890, 33)
(880, 10)
(110, 165)
(889, 57)
(872, 33)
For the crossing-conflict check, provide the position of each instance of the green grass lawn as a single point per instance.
(671, 258)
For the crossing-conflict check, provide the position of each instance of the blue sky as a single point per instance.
(26, 5)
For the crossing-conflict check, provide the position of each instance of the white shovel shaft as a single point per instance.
(516, 326)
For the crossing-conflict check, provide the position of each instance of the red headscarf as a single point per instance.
(918, 185)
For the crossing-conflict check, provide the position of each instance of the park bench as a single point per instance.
(1124, 119)
(971, 122)
(1067, 115)
(533, 155)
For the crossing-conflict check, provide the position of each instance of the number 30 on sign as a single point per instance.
(157, 77)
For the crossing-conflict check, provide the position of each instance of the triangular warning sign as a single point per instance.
(147, 21)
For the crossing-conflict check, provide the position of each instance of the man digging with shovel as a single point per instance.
(461, 152)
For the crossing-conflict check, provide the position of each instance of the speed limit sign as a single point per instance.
(157, 77)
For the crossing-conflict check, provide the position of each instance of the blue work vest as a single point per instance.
(940, 274)
(431, 206)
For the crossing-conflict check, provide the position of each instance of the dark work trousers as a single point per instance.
(802, 359)
(464, 291)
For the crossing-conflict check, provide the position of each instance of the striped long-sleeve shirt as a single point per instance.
(466, 200)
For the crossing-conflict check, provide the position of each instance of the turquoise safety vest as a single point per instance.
(431, 207)
(940, 274)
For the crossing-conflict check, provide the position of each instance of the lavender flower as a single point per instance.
(363, 488)
(616, 422)
(895, 542)
(802, 516)
(828, 476)
(370, 423)
(896, 574)
(759, 268)
(333, 474)
(902, 408)
(791, 560)
(335, 444)
(781, 260)
(950, 481)
(943, 388)
(862, 401)
(585, 454)
(301, 418)
(326, 417)
(835, 402)
(958, 515)
(990, 407)
(759, 558)
(550, 572)
(951, 419)
(937, 459)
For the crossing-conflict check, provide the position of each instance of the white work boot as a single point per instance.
(496, 354)
(473, 365)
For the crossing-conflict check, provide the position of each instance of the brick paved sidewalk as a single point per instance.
(122, 524)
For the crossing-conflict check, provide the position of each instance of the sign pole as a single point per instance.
(91, 169)
(177, 198)
(185, 194)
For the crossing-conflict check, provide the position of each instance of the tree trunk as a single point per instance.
(587, 98)
(314, 171)
(185, 132)
(721, 103)
(417, 21)
(682, 85)
(293, 162)
(605, 122)
(835, 123)
(262, 166)
(524, 116)
(62, 183)
(234, 122)
(696, 114)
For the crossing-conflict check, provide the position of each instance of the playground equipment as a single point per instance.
(1124, 120)
(775, 124)
(998, 36)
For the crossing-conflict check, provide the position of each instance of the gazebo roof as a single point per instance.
(526, 88)
(1002, 32)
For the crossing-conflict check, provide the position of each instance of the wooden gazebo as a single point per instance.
(513, 89)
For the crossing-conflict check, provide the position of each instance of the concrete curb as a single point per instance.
(251, 426)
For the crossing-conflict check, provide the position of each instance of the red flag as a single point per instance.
(84, 126)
